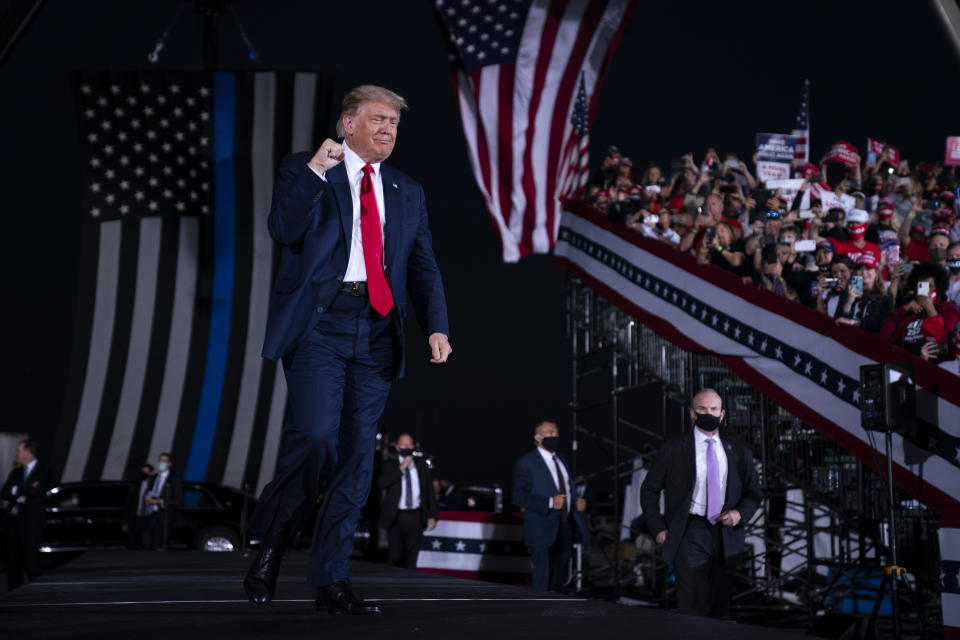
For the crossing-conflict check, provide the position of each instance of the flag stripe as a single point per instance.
(159, 340)
(101, 335)
(182, 341)
(261, 156)
(122, 319)
(271, 445)
(224, 94)
(560, 124)
(242, 277)
(138, 348)
(506, 148)
(542, 92)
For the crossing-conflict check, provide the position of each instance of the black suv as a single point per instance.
(90, 515)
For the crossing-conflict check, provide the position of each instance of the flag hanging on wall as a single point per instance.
(177, 269)
(517, 64)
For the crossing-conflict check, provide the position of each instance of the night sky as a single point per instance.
(684, 79)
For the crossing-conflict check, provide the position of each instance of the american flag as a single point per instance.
(176, 270)
(801, 130)
(575, 161)
(516, 66)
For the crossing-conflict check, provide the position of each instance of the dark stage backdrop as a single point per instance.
(684, 78)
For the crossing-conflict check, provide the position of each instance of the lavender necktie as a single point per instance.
(714, 498)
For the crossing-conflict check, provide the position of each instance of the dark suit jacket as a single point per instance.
(312, 219)
(533, 486)
(172, 494)
(674, 471)
(32, 512)
(391, 484)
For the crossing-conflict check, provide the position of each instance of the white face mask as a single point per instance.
(161, 466)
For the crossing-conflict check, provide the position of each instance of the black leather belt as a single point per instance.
(358, 289)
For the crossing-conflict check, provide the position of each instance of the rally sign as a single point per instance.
(776, 147)
(953, 151)
(842, 152)
(767, 171)
(788, 189)
(877, 147)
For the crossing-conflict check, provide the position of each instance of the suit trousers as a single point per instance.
(704, 574)
(404, 537)
(551, 561)
(338, 379)
(23, 551)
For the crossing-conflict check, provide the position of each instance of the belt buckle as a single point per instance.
(355, 289)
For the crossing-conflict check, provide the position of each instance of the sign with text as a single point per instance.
(952, 156)
(842, 152)
(788, 189)
(767, 171)
(877, 147)
(776, 147)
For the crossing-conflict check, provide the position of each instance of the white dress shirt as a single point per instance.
(549, 458)
(414, 486)
(356, 267)
(15, 489)
(698, 504)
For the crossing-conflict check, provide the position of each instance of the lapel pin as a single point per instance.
(395, 186)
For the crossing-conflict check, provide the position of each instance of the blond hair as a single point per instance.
(364, 94)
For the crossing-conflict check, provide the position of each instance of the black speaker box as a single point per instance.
(888, 397)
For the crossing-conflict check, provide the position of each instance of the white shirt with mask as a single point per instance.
(698, 502)
(356, 267)
(549, 458)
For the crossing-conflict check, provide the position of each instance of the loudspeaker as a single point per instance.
(836, 626)
(888, 397)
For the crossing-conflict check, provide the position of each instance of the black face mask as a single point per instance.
(954, 266)
(936, 255)
(405, 452)
(707, 422)
(551, 443)
(145, 475)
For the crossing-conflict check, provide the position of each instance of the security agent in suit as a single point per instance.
(161, 505)
(336, 321)
(707, 502)
(24, 496)
(542, 486)
(134, 511)
(408, 505)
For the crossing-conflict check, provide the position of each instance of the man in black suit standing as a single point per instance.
(24, 495)
(711, 490)
(552, 514)
(135, 509)
(408, 505)
(161, 504)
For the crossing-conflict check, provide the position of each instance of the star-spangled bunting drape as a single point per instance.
(176, 270)
(517, 64)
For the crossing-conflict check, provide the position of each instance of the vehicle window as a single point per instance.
(87, 497)
(198, 499)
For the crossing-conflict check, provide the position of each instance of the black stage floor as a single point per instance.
(181, 595)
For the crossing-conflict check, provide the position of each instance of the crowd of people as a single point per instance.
(889, 264)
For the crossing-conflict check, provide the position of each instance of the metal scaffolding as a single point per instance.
(818, 543)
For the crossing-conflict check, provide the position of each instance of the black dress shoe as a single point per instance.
(261, 580)
(339, 598)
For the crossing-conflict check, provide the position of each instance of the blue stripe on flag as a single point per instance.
(224, 99)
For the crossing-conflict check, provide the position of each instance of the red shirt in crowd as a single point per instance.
(848, 248)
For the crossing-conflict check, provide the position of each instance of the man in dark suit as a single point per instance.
(134, 511)
(408, 505)
(542, 488)
(354, 242)
(24, 494)
(161, 505)
(710, 490)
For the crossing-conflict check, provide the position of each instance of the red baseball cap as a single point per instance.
(867, 259)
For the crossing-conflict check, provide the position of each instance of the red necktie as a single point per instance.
(381, 298)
